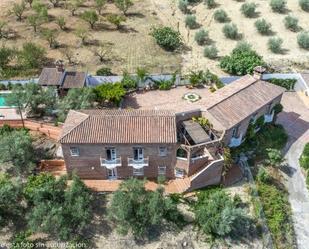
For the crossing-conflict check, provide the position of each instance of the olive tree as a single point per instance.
(116, 20)
(11, 196)
(134, 209)
(83, 34)
(34, 21)
(91, 17)
(31, 56)
(123, 5)
(50, 36)
(18, 10)
(17, 150)
(103, 51)
(63, 211)
(99, 4)
(74, 5)
(60, 20)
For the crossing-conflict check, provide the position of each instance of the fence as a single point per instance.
(46, 129)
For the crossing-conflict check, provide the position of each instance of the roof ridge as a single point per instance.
(234, 93)
(74, 127)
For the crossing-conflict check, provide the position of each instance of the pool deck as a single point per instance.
(9, 114)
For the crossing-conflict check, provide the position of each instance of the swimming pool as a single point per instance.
(2, 100)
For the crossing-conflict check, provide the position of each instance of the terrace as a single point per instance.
(174, 99)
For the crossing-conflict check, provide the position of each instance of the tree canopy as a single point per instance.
(10, 196)
(218, 215)
(134, 209)
(60, 210)
(242, 60)
(111, 92)
(76, 99)
(16, 149)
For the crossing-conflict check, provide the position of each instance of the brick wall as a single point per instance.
(211, 175)
(87, 164)
(47, 129)
(244, 124)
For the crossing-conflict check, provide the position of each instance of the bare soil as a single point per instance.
(292, 55)
(131, 46)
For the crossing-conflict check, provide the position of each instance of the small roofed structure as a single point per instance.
(61, 78)
(195, 131)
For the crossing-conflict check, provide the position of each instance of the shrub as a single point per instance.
(277, 211)
(111, 92)
(291, 23)
(191, 21)
(263, 175)
(230, 31)
(304, 4)
(242, 60)
(31, 55)
(211, 52)
(128, 82)
(217, 215)
(286, 83)
(304, 158)
(164, 84)
(248, 9)
(104, 71)
(274, 157)
(221, 16)
(21, 241)
(210, 4)
(201, 36)
(167, 38)
(275, 45)
(262, 26)
(303, 40)
(278, 5)
(183, 6)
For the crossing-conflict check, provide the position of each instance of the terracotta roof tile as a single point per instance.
(50, 77)
(120, 126)
(243, 103)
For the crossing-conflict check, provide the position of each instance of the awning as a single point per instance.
(196, 132)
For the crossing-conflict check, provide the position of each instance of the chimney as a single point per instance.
(60, 65)
(258, 72)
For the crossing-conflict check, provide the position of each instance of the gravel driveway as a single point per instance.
(295, 119)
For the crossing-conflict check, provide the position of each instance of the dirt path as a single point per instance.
(295, 119)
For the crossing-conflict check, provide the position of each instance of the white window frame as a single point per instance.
(74, 151)
(161, 170)
(179, 173)
(138, 172)
(163, 151)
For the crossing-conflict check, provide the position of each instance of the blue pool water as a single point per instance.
(2, 100)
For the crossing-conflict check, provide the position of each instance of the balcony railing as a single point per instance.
(138, 164)
(110, 164)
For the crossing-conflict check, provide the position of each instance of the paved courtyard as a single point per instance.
(295, 119)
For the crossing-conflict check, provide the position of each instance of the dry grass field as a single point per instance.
(133, 47)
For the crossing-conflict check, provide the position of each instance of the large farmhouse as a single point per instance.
(153, 134)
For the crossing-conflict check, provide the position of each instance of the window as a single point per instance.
(162, 151)
(74, 151)
(161, 170)
(138, 153)
(138, 172)
(111, 154)
(179, 172)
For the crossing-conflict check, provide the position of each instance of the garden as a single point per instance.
(266, 162)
